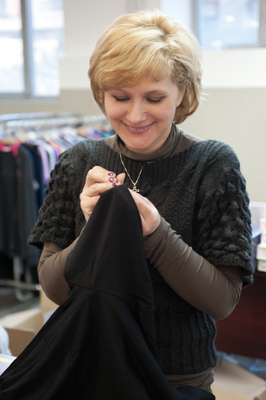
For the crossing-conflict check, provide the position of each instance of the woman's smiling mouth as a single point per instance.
(138, 129)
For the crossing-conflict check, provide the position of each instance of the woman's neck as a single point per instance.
(164, 151)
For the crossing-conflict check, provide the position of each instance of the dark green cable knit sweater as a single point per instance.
(201, 193)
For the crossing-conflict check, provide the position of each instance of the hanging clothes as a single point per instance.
(29, 149)
(27, 208)
(8, 201)
(100, 344)
(18, 206)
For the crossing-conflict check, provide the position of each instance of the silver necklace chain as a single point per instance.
(134, 183)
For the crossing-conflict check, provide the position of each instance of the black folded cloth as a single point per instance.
(101, 343)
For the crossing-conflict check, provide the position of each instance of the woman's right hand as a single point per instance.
(98, 180)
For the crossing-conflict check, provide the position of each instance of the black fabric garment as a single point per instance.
(38, 173)
(26, 206)
(8, 205)
(100, 344)
(18, 208)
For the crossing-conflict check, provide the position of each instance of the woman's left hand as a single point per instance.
(149, 215)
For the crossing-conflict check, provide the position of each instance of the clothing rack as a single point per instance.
(54, 118)
(33, 126)
(9, 123)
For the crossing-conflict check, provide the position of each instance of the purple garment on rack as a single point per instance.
(45, 164)
(98, 134)
(52, 157)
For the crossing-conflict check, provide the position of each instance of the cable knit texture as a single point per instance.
(201, 193)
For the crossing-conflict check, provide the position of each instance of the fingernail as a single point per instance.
(110, 173)
(111, 179)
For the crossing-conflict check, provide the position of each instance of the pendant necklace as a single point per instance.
(134, 183)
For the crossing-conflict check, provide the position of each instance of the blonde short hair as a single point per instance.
(147, 43)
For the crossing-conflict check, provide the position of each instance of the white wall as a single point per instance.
(237, 117)
(234, 68)
(85, 20)
(179, 9)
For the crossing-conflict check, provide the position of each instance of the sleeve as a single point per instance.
(190, 275)
(56, 219)
(223, 221)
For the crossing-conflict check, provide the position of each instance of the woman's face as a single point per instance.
(142, 115)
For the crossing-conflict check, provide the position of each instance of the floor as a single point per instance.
(14, 299)
(254, 365)
(9, 302)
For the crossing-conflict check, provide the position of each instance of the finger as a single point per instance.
(88, 206)
(97, 189)
(149, 215)
(144, 205)
(98, 174)
(120, 178)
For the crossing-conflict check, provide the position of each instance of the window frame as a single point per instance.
(28, 63)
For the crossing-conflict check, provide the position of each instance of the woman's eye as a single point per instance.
(120, 98)
(155, 99)
(149, 99)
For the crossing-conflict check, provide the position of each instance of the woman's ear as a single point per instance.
(180, 112)
(180, 96)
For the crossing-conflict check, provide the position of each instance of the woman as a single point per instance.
(145, 75)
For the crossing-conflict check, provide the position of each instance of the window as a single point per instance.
(31, 40)
(220, 24)
(11, 48)
(227, 23)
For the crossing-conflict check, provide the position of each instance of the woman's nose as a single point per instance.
(136, 113)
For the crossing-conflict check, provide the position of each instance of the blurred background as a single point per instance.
(45, 46)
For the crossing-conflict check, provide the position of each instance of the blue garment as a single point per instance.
(4, 341)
